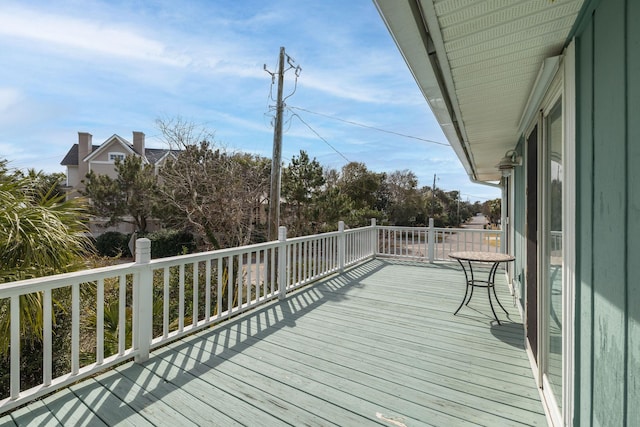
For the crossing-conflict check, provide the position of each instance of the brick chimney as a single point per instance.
(138, 142)
(84, 149)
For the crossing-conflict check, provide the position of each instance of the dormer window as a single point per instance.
(116, 156)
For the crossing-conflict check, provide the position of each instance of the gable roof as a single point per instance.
(121, 141)
(476, 64)
(156, 155)
(71, 158)
(152, 155)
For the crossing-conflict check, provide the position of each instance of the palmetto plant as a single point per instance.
(41, 233)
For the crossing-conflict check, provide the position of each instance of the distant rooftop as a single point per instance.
(153, 155)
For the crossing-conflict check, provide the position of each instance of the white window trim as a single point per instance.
(562, 87)
(115, 153)
(569, 249)
(555, 94)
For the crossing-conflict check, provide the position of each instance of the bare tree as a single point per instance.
(215, 192)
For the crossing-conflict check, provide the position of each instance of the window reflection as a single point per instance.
(554, 251)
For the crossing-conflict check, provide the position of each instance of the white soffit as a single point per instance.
(489, 53)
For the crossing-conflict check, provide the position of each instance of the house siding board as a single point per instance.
(608, 107)
(584, 227)
(609, 215)
(104, 169)
(113, 146)
(633, 209)
(72, 176)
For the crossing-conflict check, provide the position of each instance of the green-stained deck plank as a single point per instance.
(325, 396)
(237, 400)
(436, 368)
(481, 342)
(106, 406)
(321, 337)
(284, 400)
(193, 401)
(377, 345)
(71, 411)
(35, 414)
(404, 391)
(138, 397)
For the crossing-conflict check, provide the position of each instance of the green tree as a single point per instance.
(363, 188)
(405, 204)
(330, 207)
(130, 197)
(302, 184)
(360, 184)
(492, 210)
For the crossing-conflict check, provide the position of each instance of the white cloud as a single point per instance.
(100, 38)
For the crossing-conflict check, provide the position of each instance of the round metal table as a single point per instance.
(492, 258)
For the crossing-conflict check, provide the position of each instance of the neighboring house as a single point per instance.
(85, 157)
(542, 98)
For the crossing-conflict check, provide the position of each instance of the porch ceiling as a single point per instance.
(476, 63)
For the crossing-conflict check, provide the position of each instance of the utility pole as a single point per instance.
(433, 194)
(276, 159)
(459, 222)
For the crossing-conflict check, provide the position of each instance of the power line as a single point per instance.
(371, 127)
(318, 135)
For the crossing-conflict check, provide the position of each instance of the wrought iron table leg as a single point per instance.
(492, 279)
(466, 291)
(472, 282)
(490, 283)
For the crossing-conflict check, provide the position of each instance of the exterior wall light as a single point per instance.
(509, 162)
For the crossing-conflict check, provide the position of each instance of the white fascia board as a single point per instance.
(123, 142)
(406, 33)
(104, 145)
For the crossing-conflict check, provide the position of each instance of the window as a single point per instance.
(553, 251)
(116, 156)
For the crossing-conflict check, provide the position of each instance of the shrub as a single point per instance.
(165, 243)
(112, 244)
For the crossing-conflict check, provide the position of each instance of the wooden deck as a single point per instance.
(377, 345)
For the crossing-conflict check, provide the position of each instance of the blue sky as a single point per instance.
(113, 67)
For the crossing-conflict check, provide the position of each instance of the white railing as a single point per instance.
(434, 244)
(127, 310)
(556, 241)
(135, 307)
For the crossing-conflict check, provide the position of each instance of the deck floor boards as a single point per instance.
(376, 345)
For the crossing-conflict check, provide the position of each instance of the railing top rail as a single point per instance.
(38, 284)
(359, 229)
(312, 237)
(449, 229)
(401, 227)
(204, 256)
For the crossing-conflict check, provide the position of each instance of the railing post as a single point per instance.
(282, 262)
(431, 239)
(374, 238)
(341, 246)
(143, 302)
